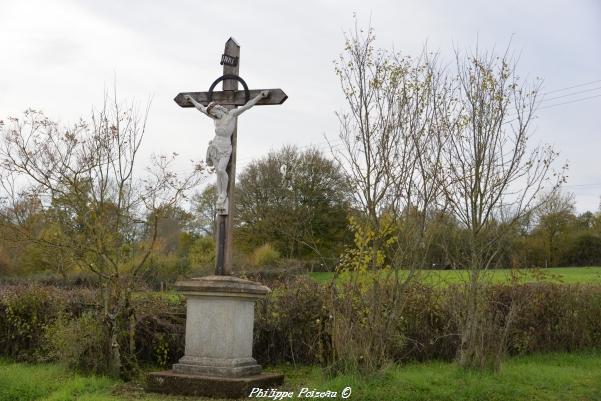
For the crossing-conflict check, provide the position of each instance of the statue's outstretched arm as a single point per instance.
(199, 106)
(250, 103)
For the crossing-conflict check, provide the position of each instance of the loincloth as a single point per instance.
(216, 153)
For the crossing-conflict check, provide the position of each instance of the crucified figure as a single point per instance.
(220, 148)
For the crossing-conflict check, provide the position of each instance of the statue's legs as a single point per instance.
(222, 182)
(221, 191)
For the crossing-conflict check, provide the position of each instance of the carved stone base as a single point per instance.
(219, 326)
(218, 358)
(170, 382)
(234, 367)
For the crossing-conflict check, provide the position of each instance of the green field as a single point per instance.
(568, 275)
(546, 377)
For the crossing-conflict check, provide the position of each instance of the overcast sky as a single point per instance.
(60, 56)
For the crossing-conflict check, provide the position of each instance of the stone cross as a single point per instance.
(230, 98)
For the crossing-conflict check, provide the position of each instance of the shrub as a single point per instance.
(265, 255)
(26, 311)
(202, 252)
(284, 270)
(292, 324)
(79, 343)
(160, 329)
(556, 318)
(426, 322)
(365, 326)
(483, 319)
(71, 280)
(162, 269)
(297, 321)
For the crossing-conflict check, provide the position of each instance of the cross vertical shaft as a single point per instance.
(225, 223)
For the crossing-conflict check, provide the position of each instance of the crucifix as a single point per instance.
(222, 107)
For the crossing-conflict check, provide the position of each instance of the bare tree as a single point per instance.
(390, 146)
(419, 139)
(87, 180)
(391, 136)
(494, 177)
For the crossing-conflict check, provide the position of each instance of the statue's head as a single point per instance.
(216, 109)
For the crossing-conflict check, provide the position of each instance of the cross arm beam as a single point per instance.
(231, 98)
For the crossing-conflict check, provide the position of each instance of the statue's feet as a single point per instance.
(222, 206)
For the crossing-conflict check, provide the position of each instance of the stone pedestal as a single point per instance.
(219, 339)
(220, 314)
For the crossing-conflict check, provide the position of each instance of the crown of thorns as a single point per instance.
(214, 105)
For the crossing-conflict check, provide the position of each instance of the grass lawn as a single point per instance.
(546, 377)
(568, 275)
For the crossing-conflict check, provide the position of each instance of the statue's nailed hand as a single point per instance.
(264, 94)
(188, 98)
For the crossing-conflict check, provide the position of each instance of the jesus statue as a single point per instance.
(220, 148)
